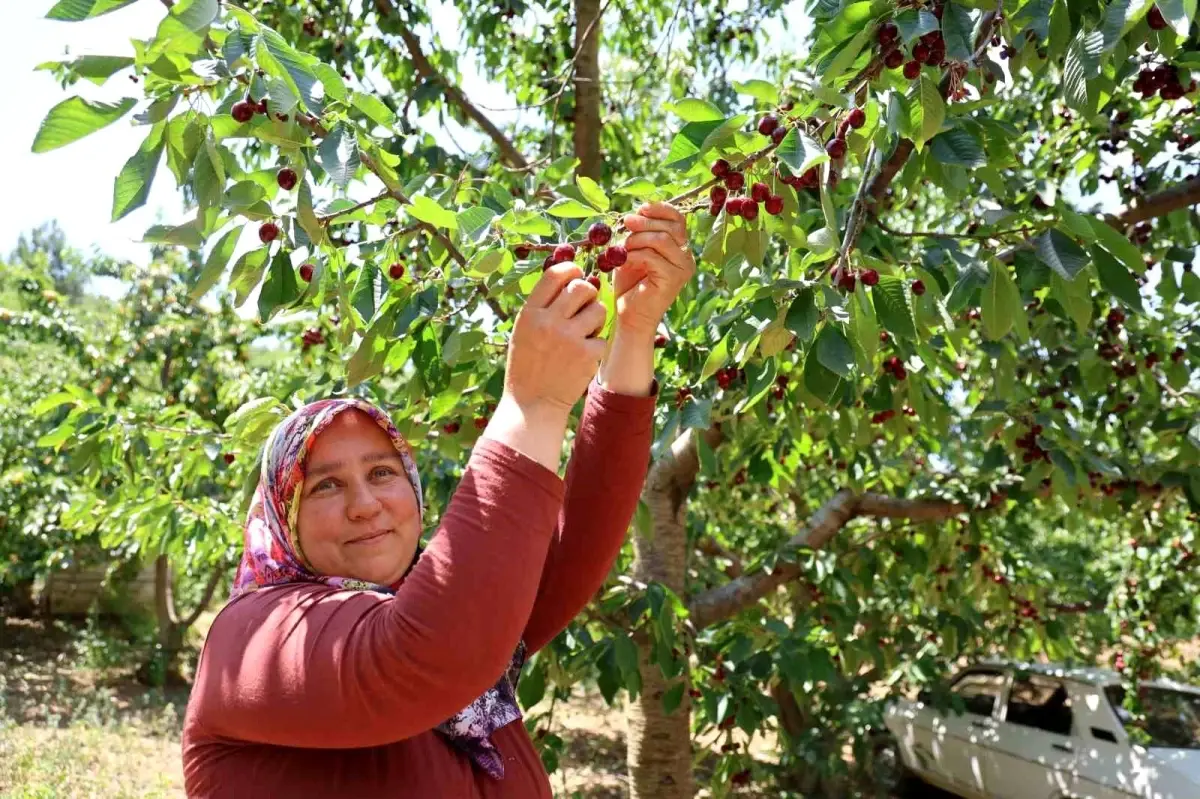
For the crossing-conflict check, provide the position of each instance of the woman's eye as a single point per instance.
(326, 483)
(384, 471)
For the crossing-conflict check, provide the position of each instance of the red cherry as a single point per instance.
(286, 178)
(836, 148)
(893, 59)
(759, 192)
(660, 341)
(921, 52)
(767, 125)
(564, 252)
(599, 234)
(480, 422)
(869, 277)
(733, 206)
(857, 118)
(749, 210)
(887, 34)
(268, 232)
(718, 194)
(616, 255)
(548, 262)
(522, 252)
(912, 69)
(306, 272)
(720, 168)
(396, 271)
(734, 181)
(918, 287)
(779, 134)
(594, 280)
(774, 205)
(243, 111)
(452, 428)
(1155, 19)
(229, 457)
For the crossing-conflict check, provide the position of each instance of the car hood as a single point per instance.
(1182, 763)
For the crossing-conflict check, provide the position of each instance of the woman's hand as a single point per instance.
(660, 263)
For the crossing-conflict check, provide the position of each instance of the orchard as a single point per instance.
(933, 394)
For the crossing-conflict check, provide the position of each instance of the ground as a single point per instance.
(74, 723)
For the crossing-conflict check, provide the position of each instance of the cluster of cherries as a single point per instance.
(895, 367)
(244, 110)
(1162, 80)
(929, 50)
(882, 417)
(598, 235)
(312, 337)
(745, 207)
(286, 178)
(1033, 450)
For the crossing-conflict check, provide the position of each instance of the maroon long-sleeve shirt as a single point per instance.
(306, 690)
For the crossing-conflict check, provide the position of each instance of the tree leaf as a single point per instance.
(1082, 64)
(246, 274)
(913, 24)
(687, 144)
(1117, 244)
(78, 10)
(1001, 302)
(1178, 14)
(1120, 18)
(362, 296)
(1059, 251)
(280, 288)
(374, 109)
(957, 24)
(958, 147)
(834, 351)
(338, 154)
(819, 381)
(95, 68)
(759, 89)
(932, 111)
(695, 110)
(717, 357)
(214, 267)
(801, 152)
(279, 58)
(802, 316)
(74, 118)
(132, 185)
(1075, 298)
(891, 306)
(425, 209)
(592, 192)
(864, 324)
(1116, 279)
(475, 222)
(568, 208)
(844, 56)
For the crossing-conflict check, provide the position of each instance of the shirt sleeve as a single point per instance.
(313, 666)
(608, 465)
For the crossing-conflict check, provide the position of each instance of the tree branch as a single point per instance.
(428, 72)
(737, 595)
(210, 588)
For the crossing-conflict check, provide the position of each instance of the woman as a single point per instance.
(350, 662)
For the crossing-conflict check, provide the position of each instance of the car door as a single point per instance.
(963, 736)
(1032, 754)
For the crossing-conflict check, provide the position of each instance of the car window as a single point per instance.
(1039, 702)
(1172, 718)
(979, 691)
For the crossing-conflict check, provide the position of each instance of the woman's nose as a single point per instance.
(361, 503)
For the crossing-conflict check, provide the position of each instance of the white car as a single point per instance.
(1049, 732)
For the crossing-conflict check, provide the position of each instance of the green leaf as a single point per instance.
(801, 152)
(687, 145)
(759, 89)
(77, 10)
(338, 154)
(957, 25)
(637, 187)
(426, 209)
(280, 288)
(1082, 64)
(1075, 298)
(374, 109)
(243, 194)
(694, 110)
(1059, 37)
(475, 222)
(1117, 244)
(95, 68)
(335, 89)
(1178, 14)
(864, 324)
(246, 274)
(802, 316)
(74, 118)
(913, 24)
(279, 58)
(820, 382)
(717, 357)
(891, 306)
(834, 351)
(970, 279)
(567, 208)
(592, 192)
(532, 686)
(132, 185)
(932, 111)
(845, 55)
(1120, 18)
(362, 296)
(484, 262)
(1059, 251)
(1116, 279)
(1001, 302)
(958, 147)
(214, 267)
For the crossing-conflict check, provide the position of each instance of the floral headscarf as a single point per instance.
(272, 555)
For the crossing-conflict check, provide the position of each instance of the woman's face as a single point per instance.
(358, 513)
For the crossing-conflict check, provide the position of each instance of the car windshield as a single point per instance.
(1172, 717)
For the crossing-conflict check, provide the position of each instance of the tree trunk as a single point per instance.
(172, 630)
(659, 753)
(588, 99)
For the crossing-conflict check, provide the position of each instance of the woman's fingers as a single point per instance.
(577, 294)
(590, 320)
(661, 217)
(662, 243)
(552, 283)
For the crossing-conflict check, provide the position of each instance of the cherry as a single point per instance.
(1155, 19)
(836, 148)
(616, 255)
(887, 34)
(912, 69)
(733, 206)
(715, 208)
(735, 181)
(893, 59)
(599, 234)
(718, 194)
(268, 232)
(563, 252)
(262, 106)
(720, 168)
(921, 52)
(857, 118)
(286, 178)
(774, 205)
(549, 262)
(660, 341)
(767, 125)
(306, 272)
(759, 192)
(846, 281)
(918, 287)
(396, 271)
(779, 134)
(452, 428)
(870, 277)
(243, 111)
(602, 262)
(229, 458)
(683, 395)
(310, 26)
(522, 251)
(884, 337)
(749, 210)
(594, 280)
